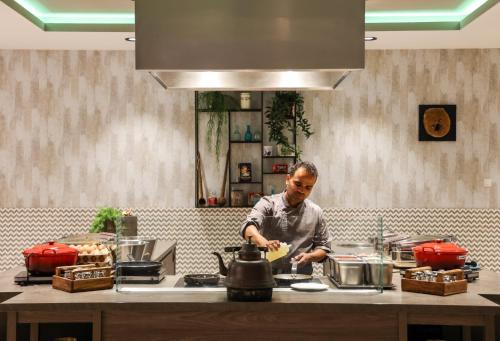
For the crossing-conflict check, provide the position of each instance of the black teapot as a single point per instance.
(248, 277)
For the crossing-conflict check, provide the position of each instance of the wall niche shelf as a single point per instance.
(264, 181)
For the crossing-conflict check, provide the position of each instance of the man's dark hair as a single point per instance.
(309, 167)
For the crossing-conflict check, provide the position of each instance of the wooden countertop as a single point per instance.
(164, 295)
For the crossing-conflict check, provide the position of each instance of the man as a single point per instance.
(291, 218)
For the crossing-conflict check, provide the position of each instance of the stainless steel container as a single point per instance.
(148, 249)
(373, 268)
(130, 250)
(348, 271)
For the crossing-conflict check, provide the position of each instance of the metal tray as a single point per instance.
(363, 286)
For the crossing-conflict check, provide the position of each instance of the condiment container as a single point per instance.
(281, 252)
(245, 100)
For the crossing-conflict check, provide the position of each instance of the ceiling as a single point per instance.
(398, 24)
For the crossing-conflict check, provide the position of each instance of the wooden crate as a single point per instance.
(71, 278)
(435, 288)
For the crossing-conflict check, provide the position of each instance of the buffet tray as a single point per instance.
(359, 286)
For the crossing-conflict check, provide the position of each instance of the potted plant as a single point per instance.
(218, 104)
(286, 106)
(107, 219)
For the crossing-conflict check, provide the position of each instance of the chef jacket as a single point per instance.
(302, 226)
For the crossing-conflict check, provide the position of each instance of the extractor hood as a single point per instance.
(249, 44)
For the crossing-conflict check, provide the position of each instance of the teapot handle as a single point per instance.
(263, 248)
(232, 248)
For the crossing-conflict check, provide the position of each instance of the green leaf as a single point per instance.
(278, 119)
(104, 214)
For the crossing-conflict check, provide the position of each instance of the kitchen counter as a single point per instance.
(165, 309)
(36, 296)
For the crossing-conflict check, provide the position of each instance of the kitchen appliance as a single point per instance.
(440, 255)
(248, 277)
(145, 279)
(198, 280)
(44, 258)
(296, 56)
(139, 272)
(25, 278)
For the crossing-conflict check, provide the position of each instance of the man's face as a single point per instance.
(299, 186)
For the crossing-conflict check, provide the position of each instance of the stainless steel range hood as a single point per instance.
(249, 44)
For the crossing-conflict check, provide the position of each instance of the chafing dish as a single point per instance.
(348, 271)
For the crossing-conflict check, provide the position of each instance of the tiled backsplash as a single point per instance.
(201, 231)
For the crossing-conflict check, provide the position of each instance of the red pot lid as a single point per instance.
(50, 248)
(439, 247)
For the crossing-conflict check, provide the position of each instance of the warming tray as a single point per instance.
(360, 286)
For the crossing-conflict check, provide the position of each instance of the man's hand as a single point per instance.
(315, 256)
(303, 258)
(272, 245)
(259, 240)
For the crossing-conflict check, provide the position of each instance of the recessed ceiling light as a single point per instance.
(132, 39)
(370, 38)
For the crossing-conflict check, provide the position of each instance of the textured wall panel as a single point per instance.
(84, 129)
(201, 231)
(366, 141)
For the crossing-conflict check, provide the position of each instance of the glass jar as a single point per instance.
(257, 136)
(237, 197)
(236, 134)
(245, 100)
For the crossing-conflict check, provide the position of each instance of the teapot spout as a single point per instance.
(222, 267)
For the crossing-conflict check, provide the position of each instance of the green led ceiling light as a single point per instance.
(453, 15)
(92, 16)
(49, 17)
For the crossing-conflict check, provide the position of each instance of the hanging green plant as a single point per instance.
(218, 104)
(286, 106)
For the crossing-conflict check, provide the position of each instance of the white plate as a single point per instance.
(309, 286)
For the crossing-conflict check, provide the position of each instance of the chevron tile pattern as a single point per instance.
(199, 232)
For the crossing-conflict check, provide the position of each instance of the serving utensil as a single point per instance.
(294, 268)
(222, 200)
(201, 199)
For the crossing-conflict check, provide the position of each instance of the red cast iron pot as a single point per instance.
(439, 255)
(44, 258)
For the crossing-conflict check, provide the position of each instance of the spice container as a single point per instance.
(237, 197)
(212, 200)
(245, 100)
(443, 283)
(82, 278)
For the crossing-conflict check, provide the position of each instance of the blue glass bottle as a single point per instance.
(248, 134)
